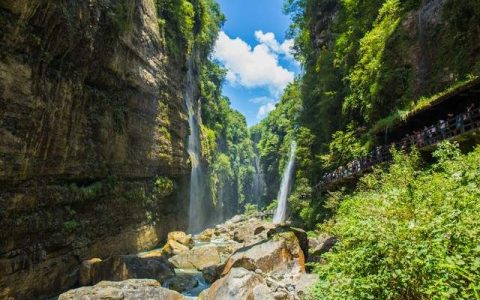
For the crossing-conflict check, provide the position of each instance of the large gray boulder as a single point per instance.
(282, 253)
(239, 284)
(198, 258)
(132, 289)
(301, 235)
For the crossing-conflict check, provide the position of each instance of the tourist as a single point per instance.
(426, 135)
(433, 134)
(378, 153)
(442, 126)
(459, 124)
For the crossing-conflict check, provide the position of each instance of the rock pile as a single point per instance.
(132, 289)
(244, 258)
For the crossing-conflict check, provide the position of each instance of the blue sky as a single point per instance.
(253, 48)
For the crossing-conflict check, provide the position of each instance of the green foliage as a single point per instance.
(164, 186)
(71, 225)
(364, 79)
(275, 134)
(250, 209)
(208, 143)
(226, 144)
(408, 233)
(357, 56)
(211, 19)
(89, 192)
(344, 147)
(122, 15)
(189, 24)
(271, 206)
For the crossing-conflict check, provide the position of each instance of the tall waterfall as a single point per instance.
(281, 211)
(197, 209)
(259, 185)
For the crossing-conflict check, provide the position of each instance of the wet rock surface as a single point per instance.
(132, 289)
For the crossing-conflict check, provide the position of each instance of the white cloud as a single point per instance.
(254, 67)
(265, 109)
(261, 100)
(271, 42)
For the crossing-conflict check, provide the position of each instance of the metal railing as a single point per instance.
(444, 129)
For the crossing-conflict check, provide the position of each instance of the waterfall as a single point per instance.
(259, 186)
(281, 211)
(197, 209)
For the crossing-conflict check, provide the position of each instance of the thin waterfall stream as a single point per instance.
(197, 214)
(259, 184)
(281, 211)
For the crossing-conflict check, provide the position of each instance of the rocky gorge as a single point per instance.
(244, 258)
(126, 173)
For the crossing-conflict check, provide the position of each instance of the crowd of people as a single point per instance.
(444, 129)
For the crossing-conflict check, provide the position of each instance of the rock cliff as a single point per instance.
(92, 138)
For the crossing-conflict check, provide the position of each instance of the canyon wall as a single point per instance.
(92, 138)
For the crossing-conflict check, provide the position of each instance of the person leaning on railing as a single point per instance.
(442, 125)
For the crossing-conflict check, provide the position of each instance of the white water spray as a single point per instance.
(197, 214)
(281, 211)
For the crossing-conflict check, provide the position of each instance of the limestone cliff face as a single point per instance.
(92, 137)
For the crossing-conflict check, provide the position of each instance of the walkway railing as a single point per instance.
(429, 136)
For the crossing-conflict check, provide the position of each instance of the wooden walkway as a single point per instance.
(452, 128)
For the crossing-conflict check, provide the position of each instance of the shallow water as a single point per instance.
(193, 293)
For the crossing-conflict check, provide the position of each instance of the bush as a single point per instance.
(250, 209)
(408, 233)
(71, 225)
(163, 186)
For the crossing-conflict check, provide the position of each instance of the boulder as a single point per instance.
(281, 253)
(303, 283)
(86, 271)
(236, 219)
(206, 235)
(181, 238)
(173, 247)
(319, 246)
(301, 235)
(251, 230)
(212, 273)
(124, 290)
(152, 253)
(123, 267)
(181, 283)
(197, 258)
(238, 284)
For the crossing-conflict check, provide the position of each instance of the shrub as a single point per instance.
(408, 233)
(250, 209)
(71, 225)
(163, 186)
